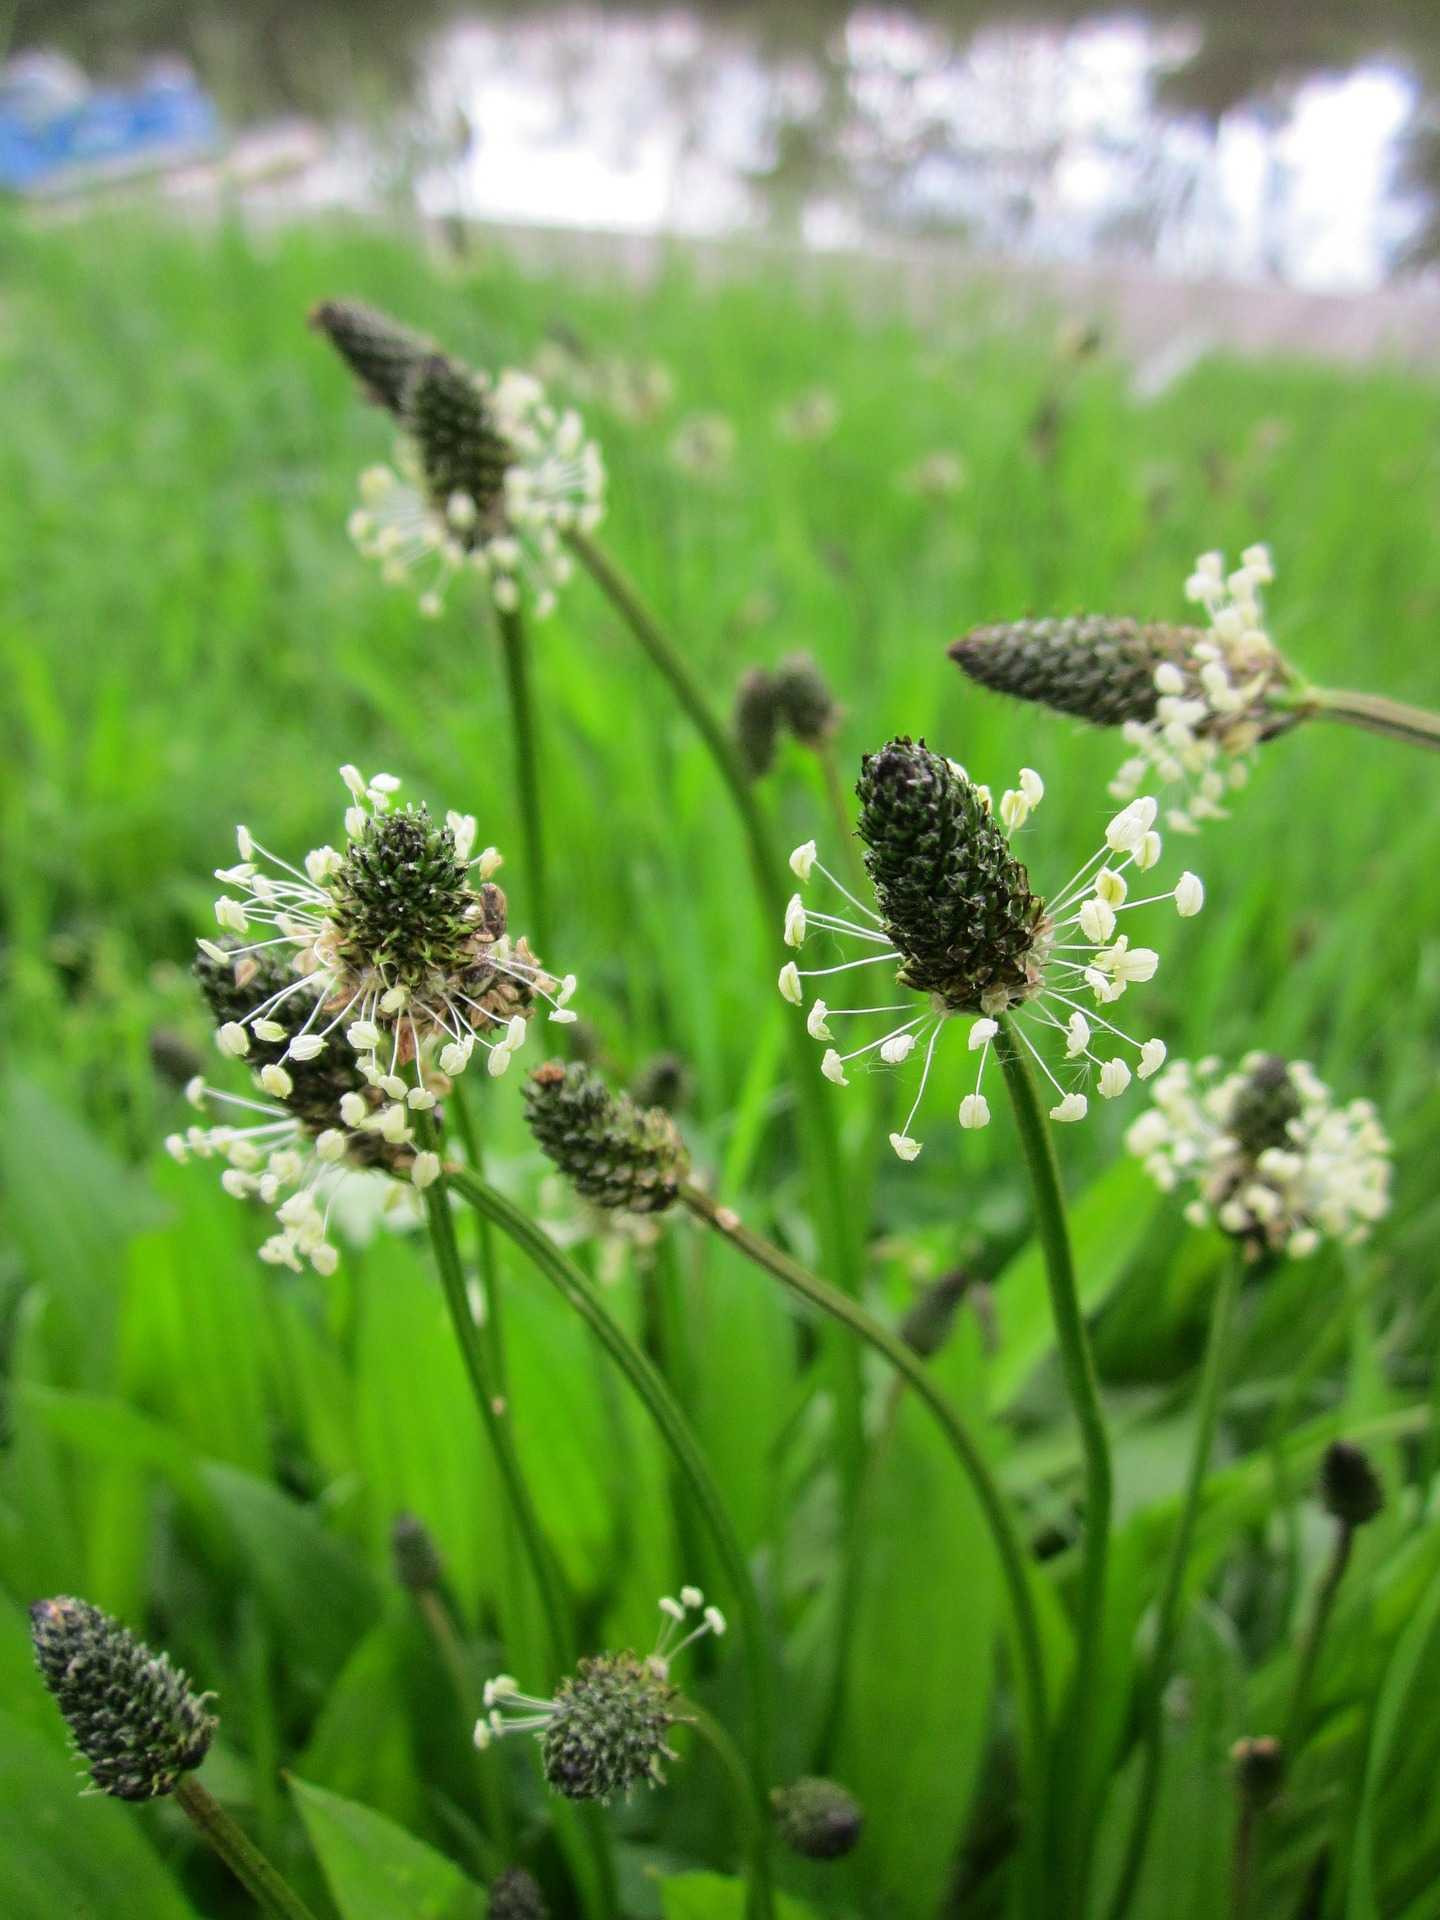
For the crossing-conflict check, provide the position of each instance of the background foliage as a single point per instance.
(217, 1452)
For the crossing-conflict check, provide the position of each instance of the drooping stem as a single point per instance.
(1069, 1794)
(754, 1806)
(494, 1413)
(457, 1107)
(1376, 714)
(856, 1320)
(515, 651)
(651, 1389)
(441, 1627)
(267, 1886)
(826, 1169)
(1167, 1613)
(1315, 1635)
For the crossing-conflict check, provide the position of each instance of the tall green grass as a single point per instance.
(217, 1452)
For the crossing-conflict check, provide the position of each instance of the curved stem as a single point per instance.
(754, 1805)
(270, 1891)
(1375, 714)
(674, 1429)
(515, 651)
(496, 1423)
(826, 1167)
(1070, 1794)
(854, 1318)
(457, 1107)
(1314, 1638)
(1167, 1618)
(499, 1840)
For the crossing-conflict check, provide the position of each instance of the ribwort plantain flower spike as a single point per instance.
(606, 1731)
(414, 1555)
(756, 720)
(818, 1819)
(1258, 1767)
(1265, 1154)
(1193, 702)
(1349, 1485)
(382, 971)
(615, 1153)
(806, 703)
(515, 1895)
(961, 927)
(487, 478)
(133, 1717)
(381, 353)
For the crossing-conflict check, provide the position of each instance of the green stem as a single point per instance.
(1070, 1794)
(515, 651)
(596, 1872)
(1244, 1860)
(854, 1318)
(1167, 1618)
(649, 1386)
(825, 1161)
(494, 1412)
(754, 1806)
(457, 1108)
(267, 1886)
(1375, 714)
(840, 814)
(1314, 1638)
(499, 1838)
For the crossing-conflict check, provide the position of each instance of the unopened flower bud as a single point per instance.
(805, 701)
(927, 1325)
(756, 720)
(1259, 1770)
(664, 1081)
(516, 1895)
(378, 350)
(414, 1554)
(1100, 668)
(131, 1714)
(1349, 1484)
(616, 1153)
(818, 1818)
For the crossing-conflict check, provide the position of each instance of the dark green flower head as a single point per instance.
(130, 1713)
(1349, 1484)
(617, 1154)
(403, 904)
(378, 350)
(818, 1818)
(954, 899)
(1264, 1106)
(1100, 668)
(756, 720)
(809, 707)
(463, 454)
(1258, 1765)
(608, 1730)
(516, 1895)
(414, 1554)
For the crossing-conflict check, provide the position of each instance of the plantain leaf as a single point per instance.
(378, 1871)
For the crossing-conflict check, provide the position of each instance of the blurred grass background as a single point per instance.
(189, 641)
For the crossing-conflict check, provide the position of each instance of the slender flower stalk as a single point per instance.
(142, 1732)
(824, 1158)
(515, 652)
(1374, 713)
(1258, 1770)
(1168, 1610)
(1353, 1496)
(494, 1413)
(1070, 1806)
(819, 1294)
(675, 1430)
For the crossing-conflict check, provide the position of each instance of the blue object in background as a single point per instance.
(56, 130)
